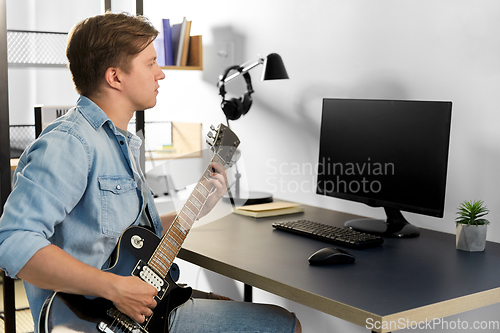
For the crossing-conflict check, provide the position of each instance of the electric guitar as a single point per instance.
(141, 253)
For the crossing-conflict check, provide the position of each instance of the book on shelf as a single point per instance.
(160, 51)
(159, 46)
(185, 44)
(178, 36)
(195, 50)
(269, 209)
(178, 47)
(167, 43)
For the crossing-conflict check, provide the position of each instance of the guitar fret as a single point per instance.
(154, 266)
(208, 171)
(169, 251)
(169, 254)
(163, 259)
(166, 258)
(203, 190)
(205, 180)
(171, 246)
(174, 243)
(197, 194)
(191, 212)
(194, 201)
(190, 217)
(179, 237)
(180, 218)
(160, 267)
(165, 255)
(207, 186)
(193, 207)
(180, 228)
(218, 159)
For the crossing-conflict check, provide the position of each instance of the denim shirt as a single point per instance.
(74, 187)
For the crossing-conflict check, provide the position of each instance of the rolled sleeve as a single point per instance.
(50, 180)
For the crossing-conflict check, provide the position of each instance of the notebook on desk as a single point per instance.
(269, 209)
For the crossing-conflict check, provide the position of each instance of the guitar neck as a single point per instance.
(171, 242)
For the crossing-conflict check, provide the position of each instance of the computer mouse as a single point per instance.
(331, 256)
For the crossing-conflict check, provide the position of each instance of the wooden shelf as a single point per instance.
(195, 56)
(183, 68)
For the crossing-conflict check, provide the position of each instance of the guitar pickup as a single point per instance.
(148, 275)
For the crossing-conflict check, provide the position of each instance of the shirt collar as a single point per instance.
(93, 113)
(97, 117)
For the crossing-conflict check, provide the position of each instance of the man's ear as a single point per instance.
(112, 77)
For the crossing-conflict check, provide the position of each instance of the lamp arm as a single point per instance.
(259, 61)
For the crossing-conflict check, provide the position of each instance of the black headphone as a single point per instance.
(235, 107)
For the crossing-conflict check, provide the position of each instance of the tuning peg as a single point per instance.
(210, 135)
(210, 143)
(212, 128)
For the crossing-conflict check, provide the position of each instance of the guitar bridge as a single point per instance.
(148, 275)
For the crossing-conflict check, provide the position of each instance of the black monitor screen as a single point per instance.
(385, 153)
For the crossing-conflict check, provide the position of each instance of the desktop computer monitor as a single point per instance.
(385, 153)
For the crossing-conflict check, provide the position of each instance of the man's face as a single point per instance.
(141, 83)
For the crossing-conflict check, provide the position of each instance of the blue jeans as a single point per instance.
(207, 316)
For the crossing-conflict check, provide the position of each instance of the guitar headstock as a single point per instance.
(224, 144)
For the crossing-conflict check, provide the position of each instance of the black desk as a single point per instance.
(402, 281)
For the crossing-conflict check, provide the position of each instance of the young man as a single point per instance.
(79, 186)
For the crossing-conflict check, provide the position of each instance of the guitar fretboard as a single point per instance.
(171, 242)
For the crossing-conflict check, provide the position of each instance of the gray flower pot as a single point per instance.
(471, 238)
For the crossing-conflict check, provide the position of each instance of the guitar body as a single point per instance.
(75, 313)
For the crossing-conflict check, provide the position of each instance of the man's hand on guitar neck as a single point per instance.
(219, 181)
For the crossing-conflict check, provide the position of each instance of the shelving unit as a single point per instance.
(36, 58)
(195, 61)
(195, 56)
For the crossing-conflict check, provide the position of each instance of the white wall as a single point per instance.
(423, 50)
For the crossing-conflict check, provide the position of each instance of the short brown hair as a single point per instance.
(103, 41)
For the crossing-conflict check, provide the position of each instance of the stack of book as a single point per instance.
(269, 209)
(175, 46)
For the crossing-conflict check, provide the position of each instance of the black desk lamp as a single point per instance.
(234, 108)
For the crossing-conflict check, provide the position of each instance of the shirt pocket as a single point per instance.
(119, 203)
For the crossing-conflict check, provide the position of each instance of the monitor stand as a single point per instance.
(395, 225)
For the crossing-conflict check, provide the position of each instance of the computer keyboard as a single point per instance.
(328, 233)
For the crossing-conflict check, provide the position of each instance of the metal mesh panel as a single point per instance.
(36, 48)
(20, 137)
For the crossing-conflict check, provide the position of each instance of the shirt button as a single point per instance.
(122, 143)
(118, 187)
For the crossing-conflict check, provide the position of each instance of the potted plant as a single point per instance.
(471, 226)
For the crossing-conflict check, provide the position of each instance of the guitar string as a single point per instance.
(155, 254)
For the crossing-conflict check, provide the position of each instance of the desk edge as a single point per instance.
(320, 303)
